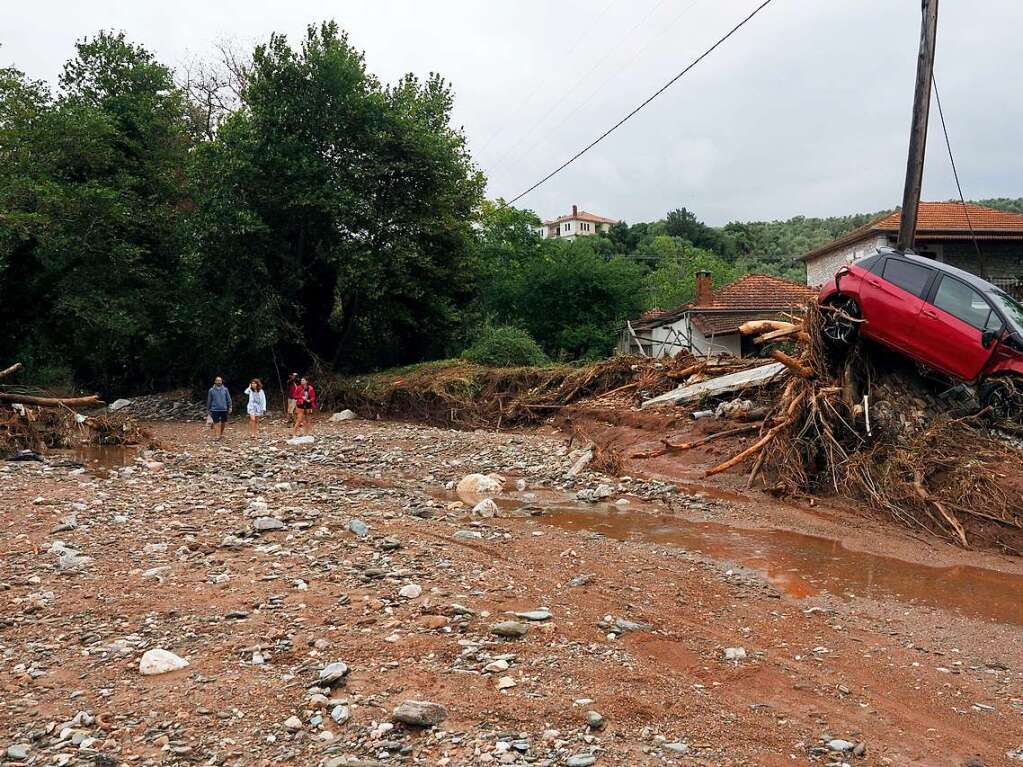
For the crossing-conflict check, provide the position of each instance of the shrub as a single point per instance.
(505, 347)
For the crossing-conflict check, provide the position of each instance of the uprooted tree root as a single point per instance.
(938, 473)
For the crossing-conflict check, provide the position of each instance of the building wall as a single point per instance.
(821, 269)
(664, 340)
(1002, 258)
(557, 231)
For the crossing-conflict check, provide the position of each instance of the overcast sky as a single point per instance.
(804, 111)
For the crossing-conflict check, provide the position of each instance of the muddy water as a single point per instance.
(802, 565)
(101, 459)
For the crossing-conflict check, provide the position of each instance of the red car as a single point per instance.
(946, 319)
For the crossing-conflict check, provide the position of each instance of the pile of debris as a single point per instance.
(168, 406)
(464, 395)
(867, 427)
(32, 422)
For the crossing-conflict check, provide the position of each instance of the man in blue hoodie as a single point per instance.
(218, 404)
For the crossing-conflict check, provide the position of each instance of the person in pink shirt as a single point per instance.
(305, 404)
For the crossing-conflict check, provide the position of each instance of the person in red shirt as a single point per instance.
(292, 392)
(305, 404)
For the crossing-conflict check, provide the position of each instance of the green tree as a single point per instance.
(334, 212)
(93, 194)
(673, 282)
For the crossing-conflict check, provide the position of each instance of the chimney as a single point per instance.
(704, 289)
(575, 211)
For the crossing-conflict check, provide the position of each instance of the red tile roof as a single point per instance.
(582, 215)
(760, 291)
(937, 221)
(751, 297)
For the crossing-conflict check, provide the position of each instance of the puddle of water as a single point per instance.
(803, 565)
(101, 459)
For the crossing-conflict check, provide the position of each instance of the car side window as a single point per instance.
(963, 302)
(912, 278)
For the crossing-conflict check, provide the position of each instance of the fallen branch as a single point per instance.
(711, 437)
(792, 364)
(753, 327)
(954, 523)
(758, 445)
(12, 369)
(25, 399)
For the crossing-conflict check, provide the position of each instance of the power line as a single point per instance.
(955, 173)
(545, 81)
(631, 114)
(558, 103)
(618, 72)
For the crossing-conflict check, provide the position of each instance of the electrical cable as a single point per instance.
(631, 114)
(955, 173)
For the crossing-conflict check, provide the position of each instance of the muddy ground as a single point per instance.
(692, 624)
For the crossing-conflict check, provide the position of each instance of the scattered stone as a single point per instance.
(267, 524)
(118, 404)
(160, 661)
(838, 744)
(486, 509)
(509, 629)
(420, 713)
(594, 720)
(581, 580)
(18, 752)
(344, 415)
(333, 674)
(411, 591)
(293, 723)
(676, 747)
(735, 653)
(542, 614)
(506, 683)
(480, 484)
(581, 760)
(358, 527)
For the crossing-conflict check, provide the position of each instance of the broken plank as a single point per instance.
(757, 376)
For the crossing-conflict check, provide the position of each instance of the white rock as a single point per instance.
(344, 415)
(117, 404)
(293, 723)
(480, 484)
(303, 440)
(411, 591)
(485, 508)
(160, 661)
(735, 653)
(506, 683)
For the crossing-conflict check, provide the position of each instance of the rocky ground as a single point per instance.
(339, 604)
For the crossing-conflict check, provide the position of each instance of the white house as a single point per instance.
(709, 325)
(945, 231)
(578, 223)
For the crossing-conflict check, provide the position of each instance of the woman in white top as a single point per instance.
(257, 405)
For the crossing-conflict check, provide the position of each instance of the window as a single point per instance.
(912, 278)
(961, 301)
(567, 227)
(867, 262)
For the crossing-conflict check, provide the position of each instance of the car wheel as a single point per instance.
(839, 328)
(1004, 395)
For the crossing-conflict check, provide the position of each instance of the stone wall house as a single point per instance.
(578, 223)
(943, 233)
(709, 324)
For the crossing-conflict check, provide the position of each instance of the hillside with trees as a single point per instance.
(282, 207)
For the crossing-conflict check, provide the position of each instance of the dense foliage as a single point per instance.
(289, 208)
(505, 346)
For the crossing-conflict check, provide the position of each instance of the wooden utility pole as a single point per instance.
(918, 131)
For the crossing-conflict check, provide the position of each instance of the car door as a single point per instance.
(891, 301)
(949, 329)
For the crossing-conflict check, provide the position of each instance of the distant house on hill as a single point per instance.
(578, 223)
(709, 324)
(943, 233)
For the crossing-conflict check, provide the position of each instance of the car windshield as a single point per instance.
(1011, 308)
